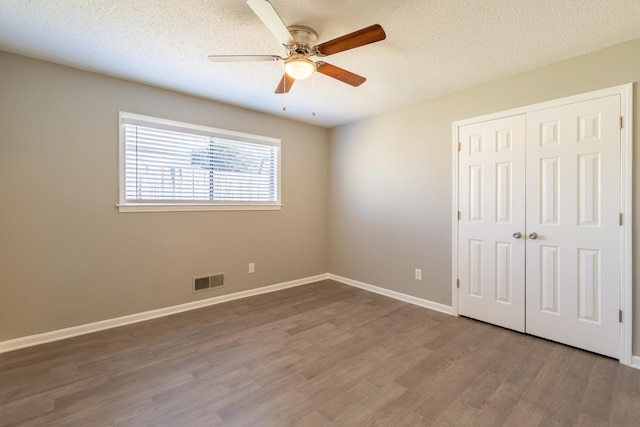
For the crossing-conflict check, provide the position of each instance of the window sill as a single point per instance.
(195, 208)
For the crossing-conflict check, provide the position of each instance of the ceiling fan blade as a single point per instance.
(271, 19)
(243, 58)
(362, 37)
(285, 84)
(339, 74)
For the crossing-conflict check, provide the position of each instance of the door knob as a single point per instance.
(533, 235)
(517, 235)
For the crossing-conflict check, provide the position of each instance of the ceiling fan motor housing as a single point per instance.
(303, 35)
(305, 38)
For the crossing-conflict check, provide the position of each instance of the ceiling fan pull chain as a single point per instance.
(313, 95)
(284, 98)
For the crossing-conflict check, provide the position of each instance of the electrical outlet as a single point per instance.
(418, 274)
(252, 267)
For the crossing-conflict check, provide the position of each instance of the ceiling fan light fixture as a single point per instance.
(299, 68)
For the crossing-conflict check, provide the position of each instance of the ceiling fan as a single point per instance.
(299, 41)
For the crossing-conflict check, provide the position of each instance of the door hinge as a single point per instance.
(459, 215)
(620, 219)
(458, 283)
(620, 122)
(459, 146)
(620, 316)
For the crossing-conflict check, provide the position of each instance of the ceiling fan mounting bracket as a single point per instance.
(316, 52)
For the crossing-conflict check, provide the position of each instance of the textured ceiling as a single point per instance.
(433, 46)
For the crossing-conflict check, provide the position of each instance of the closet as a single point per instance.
(539, 234)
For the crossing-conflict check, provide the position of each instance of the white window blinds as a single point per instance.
(171, 163)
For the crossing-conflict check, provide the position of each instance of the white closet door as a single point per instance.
(491, 201)
(573, 205)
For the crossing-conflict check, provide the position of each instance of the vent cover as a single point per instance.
(208, 282)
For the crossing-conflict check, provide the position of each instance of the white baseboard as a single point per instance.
(393, 294)
(60, 334)
(88, 328)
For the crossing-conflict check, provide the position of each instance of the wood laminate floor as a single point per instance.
(317, 355)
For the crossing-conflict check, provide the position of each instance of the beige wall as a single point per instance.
(390, 191)
(67, 257)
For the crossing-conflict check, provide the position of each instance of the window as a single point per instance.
(167, 165)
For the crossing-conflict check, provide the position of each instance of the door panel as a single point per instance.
(549, 279)
(492, 208)
(549, 190)
(573, 202)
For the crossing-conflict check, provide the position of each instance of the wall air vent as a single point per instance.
(205, 283)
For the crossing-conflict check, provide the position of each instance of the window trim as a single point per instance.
(139, 119)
